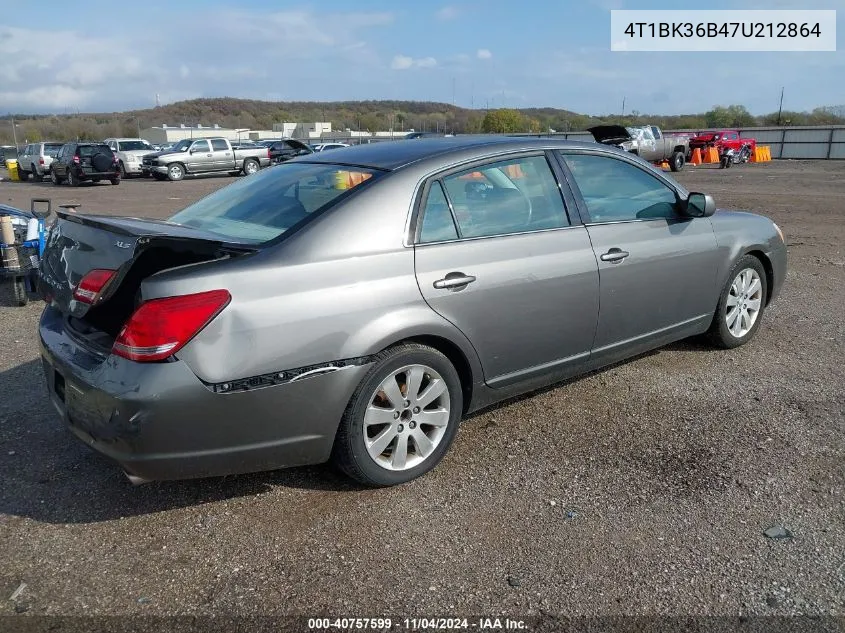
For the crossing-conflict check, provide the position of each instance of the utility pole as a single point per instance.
(780, 107)
(623, 106)
(15, 133)
(453, 92)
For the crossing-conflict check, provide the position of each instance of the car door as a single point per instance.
(222, 155)
(657, 267)
(500, 256)
(200, 157)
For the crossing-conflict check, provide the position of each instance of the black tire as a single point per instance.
(22, 173)
(123, 173)
(54, 177)
(350, 454)
(719, 334)
(677, 162)
(115, 181)
(175, 172)
(251, 166)
(36, 177)
(72, 180)
(19, 291)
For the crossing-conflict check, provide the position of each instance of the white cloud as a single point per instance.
(448, 13)
(403, 62)
(483, 53)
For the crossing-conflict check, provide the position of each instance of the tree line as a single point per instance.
(372, 116)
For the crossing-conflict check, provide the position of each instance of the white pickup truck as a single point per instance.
(203, 156)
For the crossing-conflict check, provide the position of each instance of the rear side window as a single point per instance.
(512, 196)
(262, 207)
(437, 222)
(52, 150)
(219, 145)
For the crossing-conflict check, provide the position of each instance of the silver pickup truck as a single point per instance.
(648, 141)
(204, 156)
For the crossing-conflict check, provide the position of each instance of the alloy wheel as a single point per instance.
(744, 302)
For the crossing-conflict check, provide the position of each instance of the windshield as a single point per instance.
(133, 146)
(182, 146)
(261, 207)
(87, 151)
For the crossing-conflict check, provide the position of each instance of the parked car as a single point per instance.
(288, 148)
(324, 147)
(320, 310)
(78, 162)
(35, 159)
(722, 140)
(203, 156)
(647, 141)
(129, 153)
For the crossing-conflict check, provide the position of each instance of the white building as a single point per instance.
(302, 130)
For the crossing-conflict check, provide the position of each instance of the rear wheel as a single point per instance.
(36, 177)
(678, 161)
(72, 179)
(115, 181)
(401, 419)
(251, 166)
(175, 172)
(54, 178)
(741, 304)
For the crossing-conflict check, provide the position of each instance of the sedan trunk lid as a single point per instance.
(133, 248)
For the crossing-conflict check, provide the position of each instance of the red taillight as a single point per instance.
(92, 285)
(161, 327)
(268, 152)
(76, 159)
(40, 161)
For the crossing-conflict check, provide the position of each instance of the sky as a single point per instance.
(107, 56)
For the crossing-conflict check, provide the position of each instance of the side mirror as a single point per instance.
(700, 205)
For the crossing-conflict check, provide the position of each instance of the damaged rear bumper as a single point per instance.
(160, 422)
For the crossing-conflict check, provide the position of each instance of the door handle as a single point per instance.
(208, 155)
(614, 255)
(454, 280)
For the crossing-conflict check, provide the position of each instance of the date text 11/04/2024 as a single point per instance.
(416, 624)
(725, 29)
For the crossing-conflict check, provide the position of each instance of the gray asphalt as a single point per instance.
(643, 489)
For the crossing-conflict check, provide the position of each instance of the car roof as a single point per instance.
(391, 155)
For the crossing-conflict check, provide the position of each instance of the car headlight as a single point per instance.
(777, 228)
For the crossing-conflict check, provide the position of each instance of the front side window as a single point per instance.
(261, 208)
(510, 196)
(200, 146)
(617, 191)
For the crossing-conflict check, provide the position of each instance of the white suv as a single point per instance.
(129, 152)
(35, 160)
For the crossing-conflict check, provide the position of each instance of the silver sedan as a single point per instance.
(354, 305)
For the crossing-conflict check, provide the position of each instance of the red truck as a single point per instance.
(721, 140)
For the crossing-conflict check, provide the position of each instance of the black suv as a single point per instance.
(288, 148)
(77, 162)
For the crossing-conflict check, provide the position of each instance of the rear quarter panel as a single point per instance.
(341, 288)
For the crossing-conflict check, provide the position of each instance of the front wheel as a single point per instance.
(175, 172)
(741, 304)
(115, 181)
(678, 161)
(401, 419)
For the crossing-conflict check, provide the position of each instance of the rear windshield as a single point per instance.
(52, 150)
(86, 151)
(133, 146)
(261, 207)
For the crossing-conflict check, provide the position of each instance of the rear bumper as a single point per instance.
(100, 175)
(160, 422)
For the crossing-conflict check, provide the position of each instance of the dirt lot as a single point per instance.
(643, 489)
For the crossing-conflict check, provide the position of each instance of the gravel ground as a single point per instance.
(643, 489)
